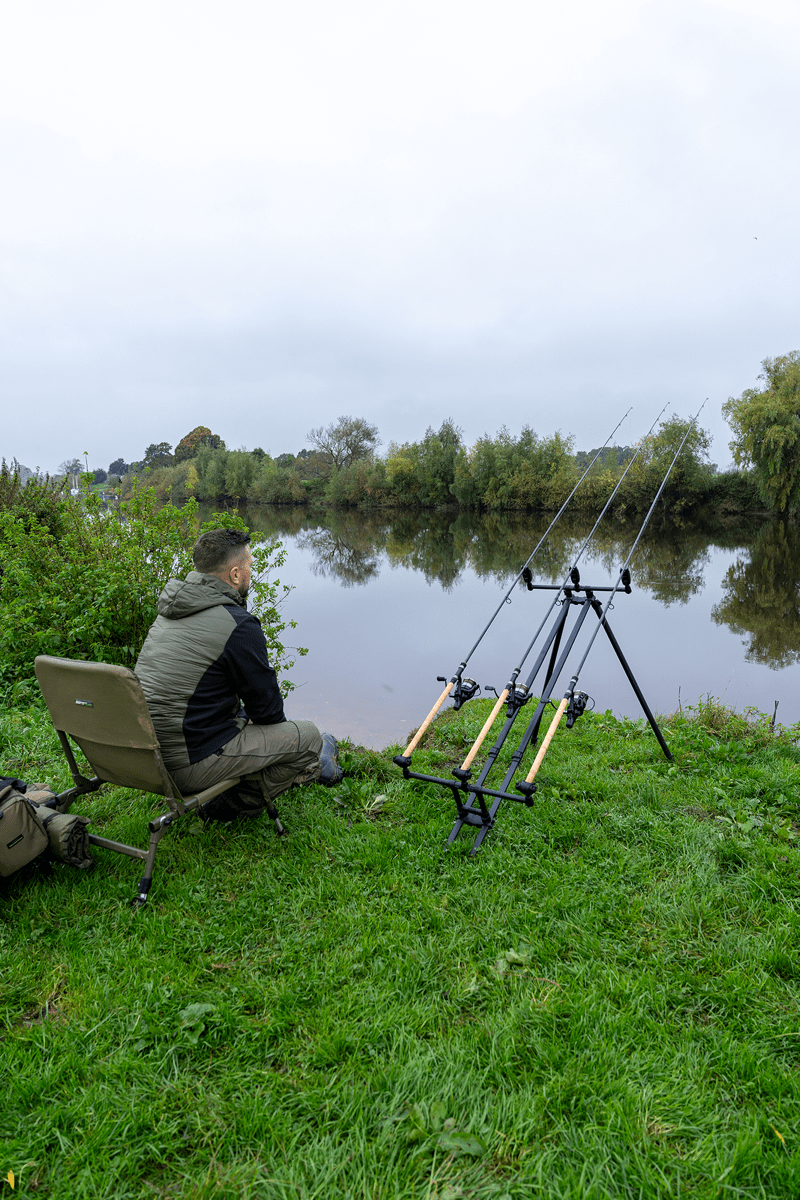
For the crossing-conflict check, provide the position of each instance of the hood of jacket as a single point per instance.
(197, 592)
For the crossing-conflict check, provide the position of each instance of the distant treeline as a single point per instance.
(504, 472)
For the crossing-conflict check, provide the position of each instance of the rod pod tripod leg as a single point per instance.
(632, 680)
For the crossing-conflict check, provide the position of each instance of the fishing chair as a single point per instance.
(103, 710)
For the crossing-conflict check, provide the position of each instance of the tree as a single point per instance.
(119, 467)
(201, 435)
(766, 429)
(239, 472)
(688, 480)
(158, 454)
(71, 466)
(436, 462)
(346, 440)
(100, 476)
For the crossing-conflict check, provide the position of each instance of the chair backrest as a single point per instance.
(103, 709)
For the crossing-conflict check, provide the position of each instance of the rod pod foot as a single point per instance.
(527, 790)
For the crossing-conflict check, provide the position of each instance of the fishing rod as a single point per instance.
(511, 694)
(461, 693)
(602, 612)
(476, 802)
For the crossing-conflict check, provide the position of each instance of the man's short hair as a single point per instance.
(214, 549)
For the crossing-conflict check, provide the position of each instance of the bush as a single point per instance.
(88, 589)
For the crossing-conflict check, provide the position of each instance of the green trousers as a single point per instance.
(277, 755)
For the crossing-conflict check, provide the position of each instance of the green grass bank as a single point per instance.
(602, 1003)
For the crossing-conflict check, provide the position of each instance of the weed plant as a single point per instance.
(602, 1003)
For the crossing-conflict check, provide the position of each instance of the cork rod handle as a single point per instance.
(412, 745)
(548, 737)
(476, 745)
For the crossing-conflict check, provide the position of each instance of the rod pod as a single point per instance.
(403, 760)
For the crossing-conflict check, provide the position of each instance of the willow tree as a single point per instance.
(766, 429)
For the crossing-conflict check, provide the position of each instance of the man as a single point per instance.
(212, 694)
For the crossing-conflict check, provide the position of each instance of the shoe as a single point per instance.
(330, 771)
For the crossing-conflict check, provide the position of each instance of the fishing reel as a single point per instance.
(465, 689)
(577, 707)
(517, 697)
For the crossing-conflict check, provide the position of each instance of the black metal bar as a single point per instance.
(559, 587)
(504, 732)
(550, 668)
(516, 757)
(465, 787)
(554, 653)
(633, 683)
(466, 810)
(554, 639)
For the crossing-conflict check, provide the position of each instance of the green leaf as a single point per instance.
(437, 1116)
(193, 1020)
(460, 1141)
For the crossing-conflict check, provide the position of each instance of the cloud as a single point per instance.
(501, 213)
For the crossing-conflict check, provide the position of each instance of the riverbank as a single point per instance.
(602, 1003)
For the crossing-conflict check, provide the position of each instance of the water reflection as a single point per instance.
(762, 597)
(352, 546)
(709, 585)
(343, 549)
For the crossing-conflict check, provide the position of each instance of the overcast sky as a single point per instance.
(258, 216)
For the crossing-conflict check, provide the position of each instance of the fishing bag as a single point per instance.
(67, 836)
(22, 833)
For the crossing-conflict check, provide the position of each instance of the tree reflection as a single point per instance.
(347, 548)
(347, 545)
(667, 563)
(437, 545)
(762, 597)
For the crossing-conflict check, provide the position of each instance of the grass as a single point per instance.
(602, 1003)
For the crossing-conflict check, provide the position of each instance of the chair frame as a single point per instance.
(140, 736)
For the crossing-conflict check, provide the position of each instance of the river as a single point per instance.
(387, 604)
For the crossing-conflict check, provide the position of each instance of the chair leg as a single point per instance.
(272, 810)
(157, 830)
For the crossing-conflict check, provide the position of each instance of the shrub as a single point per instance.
(90, 590)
